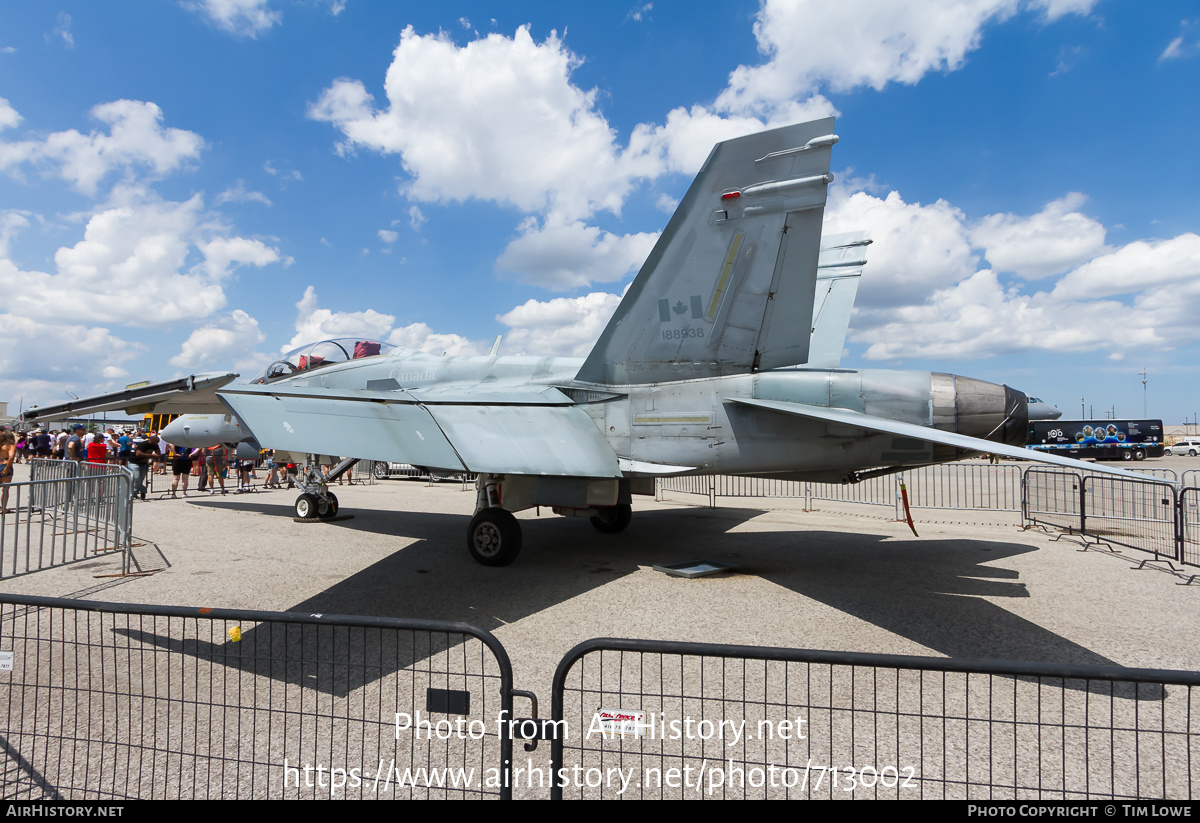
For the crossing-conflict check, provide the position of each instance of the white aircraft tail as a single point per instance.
(729, 287)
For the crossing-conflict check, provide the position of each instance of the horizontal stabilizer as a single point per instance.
(870, 423)
(194, 394)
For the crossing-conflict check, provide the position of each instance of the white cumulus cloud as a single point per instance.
(421, 337)
(133, 266)
(244, 18)
(566, 326)
(1052, 241)
(136, 139)
(560, 256)
(497, 119)
(314, 323)
(216, 345)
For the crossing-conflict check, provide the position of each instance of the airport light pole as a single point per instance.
(1143, 373)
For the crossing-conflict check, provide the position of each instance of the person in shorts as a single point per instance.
(217, 464)
(181, 467)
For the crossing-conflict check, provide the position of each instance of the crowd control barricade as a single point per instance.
(1190, 478)
(706, 721)
(83, 512)
(1132, 513)
(974, 486)
(107, 701)
(1189, 526)
(960, 486)
(1051, 497)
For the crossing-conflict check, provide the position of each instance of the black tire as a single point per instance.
(381, 471)
(494, 537)
(329, 510)
(613, 519)
(307, 506)
(1139, 455)
(1126, 454)
(1191, 452)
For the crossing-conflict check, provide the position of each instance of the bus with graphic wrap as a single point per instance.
(1098, 439)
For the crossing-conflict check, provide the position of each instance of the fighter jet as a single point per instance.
(707, 366)
(203, 421)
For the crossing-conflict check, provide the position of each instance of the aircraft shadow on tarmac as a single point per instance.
(928, 591)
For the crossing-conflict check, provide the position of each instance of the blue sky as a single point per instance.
(196, 186)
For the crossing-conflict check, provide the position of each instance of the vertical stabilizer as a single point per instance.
(838, 271)
(729, 286)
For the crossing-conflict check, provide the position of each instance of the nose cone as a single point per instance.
(980, 409)
(178, 431)
(1041, 410)
(194, 431)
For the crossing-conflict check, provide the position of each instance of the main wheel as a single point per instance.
(330, 509)
(307, 506)
(613, 519)
(494, 537)
(381, 471)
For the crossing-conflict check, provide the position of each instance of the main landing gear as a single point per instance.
(317, 502)
(494, 535)
(613, 519)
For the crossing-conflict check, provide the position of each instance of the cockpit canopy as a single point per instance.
(315, 355)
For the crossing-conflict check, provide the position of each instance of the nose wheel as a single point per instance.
(494, 537)
(315, 507)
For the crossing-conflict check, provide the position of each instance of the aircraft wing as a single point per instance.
(196, 393)
(870, 423)
(507, 431)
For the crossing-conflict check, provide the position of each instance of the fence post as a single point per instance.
(1083, 505)
(712, 491)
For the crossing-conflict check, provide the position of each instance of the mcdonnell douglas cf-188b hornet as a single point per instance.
(709, 365)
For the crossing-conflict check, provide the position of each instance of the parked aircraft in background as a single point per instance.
(1041, 410)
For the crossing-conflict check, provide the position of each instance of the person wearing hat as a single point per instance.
(74, 446)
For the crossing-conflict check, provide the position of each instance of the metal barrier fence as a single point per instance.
(974, 486)
(106, 701)
(82, 512)
(1138, 515)
(1189, 526)
(109, 700)
(1052, 498)
(1191, 477)
(704, 720)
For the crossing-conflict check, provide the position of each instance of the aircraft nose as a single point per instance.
(980, 409)
(176, 431)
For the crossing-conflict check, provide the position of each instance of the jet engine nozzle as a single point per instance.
(980, 409)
